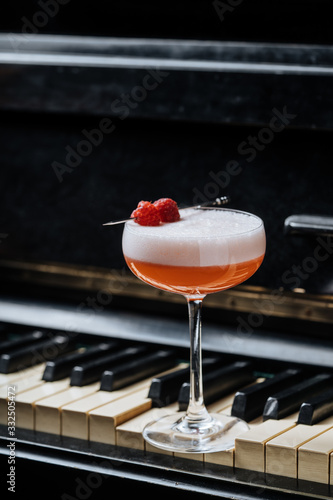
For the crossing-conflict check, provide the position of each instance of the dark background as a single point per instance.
(62, 222)
(286, 21)
(150, 155)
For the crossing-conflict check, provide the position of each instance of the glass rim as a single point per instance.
(129, 225)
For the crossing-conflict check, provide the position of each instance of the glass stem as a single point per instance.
(196, 411)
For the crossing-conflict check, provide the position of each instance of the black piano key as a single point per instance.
(39, 352)
(219, 383)
(249, 402)
(289, 400)
(164, 390)
(91, 371)
(62, 367)
(316, 409)
(137, 369)
(23, 340)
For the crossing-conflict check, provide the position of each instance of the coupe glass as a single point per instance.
(206, 251)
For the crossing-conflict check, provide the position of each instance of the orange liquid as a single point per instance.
(194, 280)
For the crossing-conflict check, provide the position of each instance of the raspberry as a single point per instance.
(146, 214)
(167, 209)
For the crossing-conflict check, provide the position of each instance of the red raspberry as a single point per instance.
(167, 209)
(146, 214)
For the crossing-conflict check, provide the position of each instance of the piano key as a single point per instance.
(75, 415)
(164, 390)
(250, 447)
(62, 367)
(6, 378)
(25, 402)
(149, 448)
(217, 383)
(48, 411)
(282, 451)
(227, 401)
(314, 458)
(91, 371)
(116, 420)
(249, 403)
(21, 385)
(316, 409)
(39, 352)
(134, 429)
(129, 433)
(21, 341)
(131, 430)
(104, 420)
(289, 400)
(227, 457)
(134, 370)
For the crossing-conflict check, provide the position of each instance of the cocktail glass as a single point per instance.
(206, 251)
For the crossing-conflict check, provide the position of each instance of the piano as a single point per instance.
(102, 108)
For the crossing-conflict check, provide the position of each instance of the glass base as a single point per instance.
(176, 433)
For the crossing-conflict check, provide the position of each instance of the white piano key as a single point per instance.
(104, 420)
(48, 410)
(21, 385)
(75, 416)
(25, 402)
(314, 458)
(282, 451)
(129, 433)
(225, 457)
(224, 406)
(250, 447)
(7, 378)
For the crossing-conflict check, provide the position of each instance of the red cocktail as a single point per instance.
(206, 251)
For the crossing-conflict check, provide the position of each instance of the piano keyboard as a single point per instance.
(108, 391)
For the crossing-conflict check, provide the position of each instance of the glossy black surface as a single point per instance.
(34, 353)
(88, 372)
(280, 20)
(82, 144)
(62, 367)
(290, 399)
(219, 382)
(132, 371)
(316, 408)
(249, 403)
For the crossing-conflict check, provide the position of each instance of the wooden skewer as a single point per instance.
(218, 202)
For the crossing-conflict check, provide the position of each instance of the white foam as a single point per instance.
(200, 238)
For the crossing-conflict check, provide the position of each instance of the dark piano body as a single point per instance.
(102, 107)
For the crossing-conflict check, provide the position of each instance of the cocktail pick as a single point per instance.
(218, 202)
